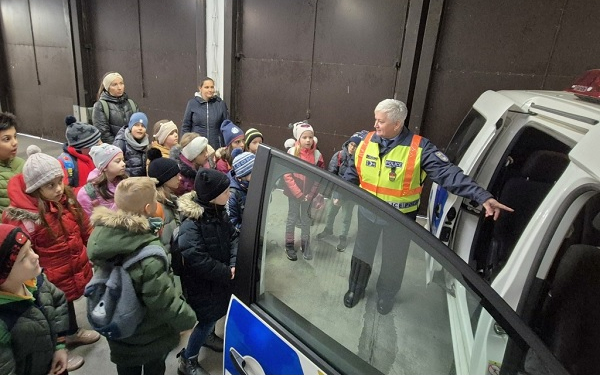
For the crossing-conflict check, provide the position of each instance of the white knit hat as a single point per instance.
(301, 127)
(194, 148)
(39, 169)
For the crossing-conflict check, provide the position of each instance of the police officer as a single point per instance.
(391, 163)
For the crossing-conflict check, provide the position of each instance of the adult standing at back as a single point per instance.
(205, 113)
(113, 109)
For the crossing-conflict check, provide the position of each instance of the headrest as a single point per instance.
(545, 166)
(596, 222)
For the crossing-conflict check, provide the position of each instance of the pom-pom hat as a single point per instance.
(80, 135)
(39, 169)
(163, 169)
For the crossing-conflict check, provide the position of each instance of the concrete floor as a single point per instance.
(97, 356)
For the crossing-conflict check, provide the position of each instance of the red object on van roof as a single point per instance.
(587, 87)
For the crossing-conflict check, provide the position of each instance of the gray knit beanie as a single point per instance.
(80, 135)
(39, 169)
(103, 154)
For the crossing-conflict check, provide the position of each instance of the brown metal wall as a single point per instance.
(40, 86)
(510, 44)
(156, 45)
(326, 61)
(329, 62)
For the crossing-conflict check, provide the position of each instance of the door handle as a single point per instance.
(238, 361)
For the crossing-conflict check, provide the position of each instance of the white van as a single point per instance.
(515, 296)
(536, 152)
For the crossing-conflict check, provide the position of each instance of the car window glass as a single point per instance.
(442, 327)
(466, 132)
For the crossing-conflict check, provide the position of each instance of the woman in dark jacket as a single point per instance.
(113, 109)
(205, 113)
(208, 244)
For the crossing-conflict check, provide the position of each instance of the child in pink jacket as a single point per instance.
(102, 181)
(300, 190)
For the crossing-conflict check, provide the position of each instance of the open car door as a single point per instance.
(466, 149)
(289, 316)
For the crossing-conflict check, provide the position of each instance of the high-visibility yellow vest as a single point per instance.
(396, 178)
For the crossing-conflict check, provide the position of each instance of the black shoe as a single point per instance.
(384, 305)
(291, 254)
(343, 244)
(326, 232)
(351, 298)
(214, 342)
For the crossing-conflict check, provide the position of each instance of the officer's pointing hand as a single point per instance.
(493, 208)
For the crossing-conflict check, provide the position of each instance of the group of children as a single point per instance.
(98, 201)
(63, 230)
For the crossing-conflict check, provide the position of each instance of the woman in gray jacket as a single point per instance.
(114, 108)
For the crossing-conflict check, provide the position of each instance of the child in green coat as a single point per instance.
(119, 234)
(33, 312)
(10, 163)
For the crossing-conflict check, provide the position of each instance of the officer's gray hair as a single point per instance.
(395, 109)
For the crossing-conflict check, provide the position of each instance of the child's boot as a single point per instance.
(214, 342)
(326, 232)
(307, 253)
(74, 361)
(343, 244)
(290, 251)
(189, 366)
(82, 337)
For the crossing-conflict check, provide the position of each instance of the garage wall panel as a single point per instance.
(577, 48)
(264, 100)
(154, 47)
(38, 54)
(487, 46)
(360, 32)
(274, 29)
(344, 96)
(346, 52)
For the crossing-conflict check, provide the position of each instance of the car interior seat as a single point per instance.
(570, 318)
(524, 193)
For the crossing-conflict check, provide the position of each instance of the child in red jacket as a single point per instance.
(301, 190)
(75, 158)
(49, 213)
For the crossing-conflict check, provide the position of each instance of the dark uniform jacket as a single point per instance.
(434, 163)
(208, 243)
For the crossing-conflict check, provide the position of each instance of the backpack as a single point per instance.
(71, 168)
(91, 192)
(113, 308)
(176, 257)
(107, 111)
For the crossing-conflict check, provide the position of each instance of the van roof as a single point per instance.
(567, 109)
(559, 105)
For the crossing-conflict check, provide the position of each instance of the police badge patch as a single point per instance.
(441, 156)
(393, 164)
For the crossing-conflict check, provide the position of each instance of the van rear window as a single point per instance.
(464, 135)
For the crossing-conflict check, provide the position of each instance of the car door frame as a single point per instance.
(250, 250)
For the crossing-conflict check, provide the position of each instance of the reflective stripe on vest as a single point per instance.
(404, 191)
